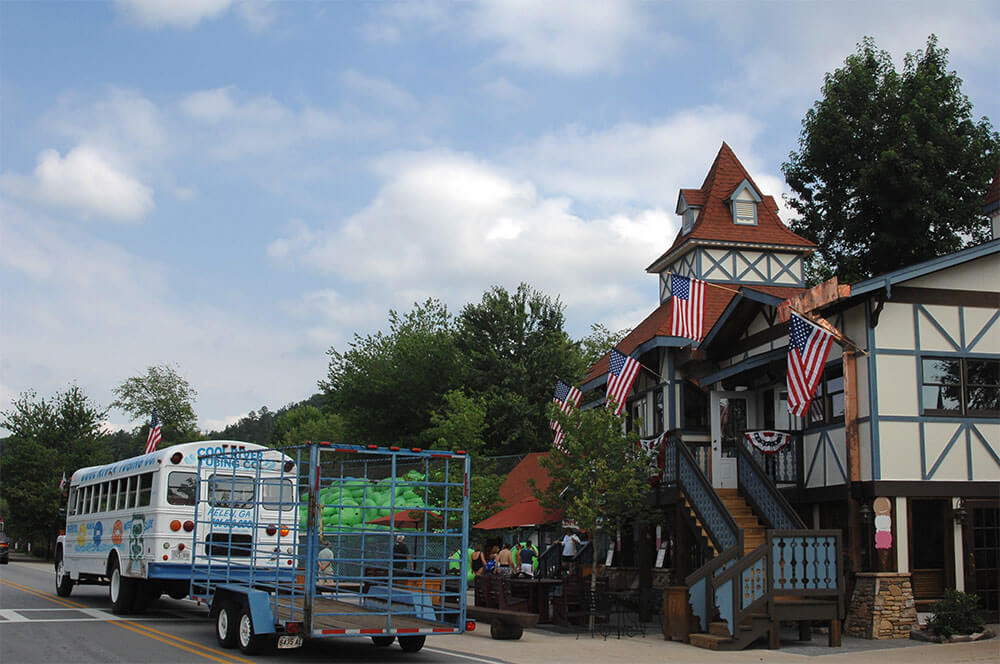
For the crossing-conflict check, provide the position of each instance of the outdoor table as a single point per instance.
(538, 594)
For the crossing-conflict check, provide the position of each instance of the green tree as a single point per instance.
(386, 385)
(305, 423)
(513, 346)
(596, 345)
(601, 478)
(459, 425)
(166, 390)
(48, 437)
(891, 167)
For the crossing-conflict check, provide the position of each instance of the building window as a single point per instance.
(961, 386)
(658, 412)
(687, 220)
(695, 408)
(744, 212)
(827, 406)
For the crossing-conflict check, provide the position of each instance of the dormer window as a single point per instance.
(688, 219)
(743, 203)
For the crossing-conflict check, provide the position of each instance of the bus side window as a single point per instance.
(112, 496)
(85, 502)
(130, 492)
(145, 489)
(180, 488)
(74, 494)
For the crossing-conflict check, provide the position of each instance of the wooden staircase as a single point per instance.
(743, 515)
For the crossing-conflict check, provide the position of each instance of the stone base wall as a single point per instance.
(881, 607)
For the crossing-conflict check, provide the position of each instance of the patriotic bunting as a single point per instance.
(768, 442)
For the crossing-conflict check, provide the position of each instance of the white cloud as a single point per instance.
(633, 163)
(85, 183)
(86, 309)
(449, 226)
(172, 13)
(564, 37)
(504, 90)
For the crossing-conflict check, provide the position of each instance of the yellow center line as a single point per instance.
(144, 630)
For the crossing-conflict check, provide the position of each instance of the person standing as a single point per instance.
(401, 554)
(478, 562)
(527, 558)
(325, 563)
(570, 544)
(505, 561)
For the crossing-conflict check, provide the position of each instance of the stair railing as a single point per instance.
(783, 466)
(806, 563)
(550, 561)
(763, 495)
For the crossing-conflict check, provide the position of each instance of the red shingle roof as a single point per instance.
(527, 512)
(515, 488)
(658, 322)
(715, 221)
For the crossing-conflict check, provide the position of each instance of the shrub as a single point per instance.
(957, 613)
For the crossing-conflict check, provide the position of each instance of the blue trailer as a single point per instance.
(363, 545)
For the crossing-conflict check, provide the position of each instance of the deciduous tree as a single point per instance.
(891, 167)
(163, 388)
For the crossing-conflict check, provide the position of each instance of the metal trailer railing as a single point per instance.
(354, 501)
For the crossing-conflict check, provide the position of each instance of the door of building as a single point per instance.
(733, 413)
(982, 553)
(931, 549)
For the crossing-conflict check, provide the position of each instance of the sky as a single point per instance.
(233, 188)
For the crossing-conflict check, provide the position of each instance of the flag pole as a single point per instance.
(709, 283)
(637, 361)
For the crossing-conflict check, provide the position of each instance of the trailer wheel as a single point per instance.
(64, 584)
(505, 632)
(412, 643)
(121, 590)
(383, 641)
(226, 623)
(251, 643)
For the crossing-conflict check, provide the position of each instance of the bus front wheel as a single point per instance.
(121, 590)
(64, 584)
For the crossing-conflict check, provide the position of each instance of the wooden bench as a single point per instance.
(504, 624)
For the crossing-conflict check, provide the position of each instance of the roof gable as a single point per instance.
(725, 179)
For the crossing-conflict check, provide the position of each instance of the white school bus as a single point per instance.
(129, 524)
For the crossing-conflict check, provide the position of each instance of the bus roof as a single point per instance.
(136, 464)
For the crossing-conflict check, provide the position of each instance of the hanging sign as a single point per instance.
(768, 442)
(883, 522)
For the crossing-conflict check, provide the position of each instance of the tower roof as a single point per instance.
(715, 219)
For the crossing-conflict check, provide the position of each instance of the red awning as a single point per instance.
(525, 513)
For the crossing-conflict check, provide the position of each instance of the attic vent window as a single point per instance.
(687, 220)
(744, 212)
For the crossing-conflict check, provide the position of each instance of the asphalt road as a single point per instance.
(37, 626)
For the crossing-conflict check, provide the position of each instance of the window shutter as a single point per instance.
(744, 212)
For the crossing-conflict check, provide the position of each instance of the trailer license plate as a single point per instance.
(289, 641)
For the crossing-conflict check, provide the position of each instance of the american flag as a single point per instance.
(568, 397)
(621, 375)
(154, 433)
(808, 348)
(687, 318)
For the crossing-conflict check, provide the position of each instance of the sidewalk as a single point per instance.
(538, 645)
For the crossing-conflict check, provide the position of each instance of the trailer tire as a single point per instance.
(383, 641)
(64, 584)
(412, 643)
(505, 631)
(251, 643)
(121, 590)
(226, 624)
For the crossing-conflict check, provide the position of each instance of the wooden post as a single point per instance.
(853, 449)
(835, 633)
(774, 635)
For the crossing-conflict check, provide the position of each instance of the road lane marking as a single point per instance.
(9, 615)
(452, 653)
(132, 626)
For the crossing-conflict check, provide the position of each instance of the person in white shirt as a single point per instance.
(570, 543)
(325, 563)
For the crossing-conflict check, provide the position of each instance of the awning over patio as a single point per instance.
(526, 513)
